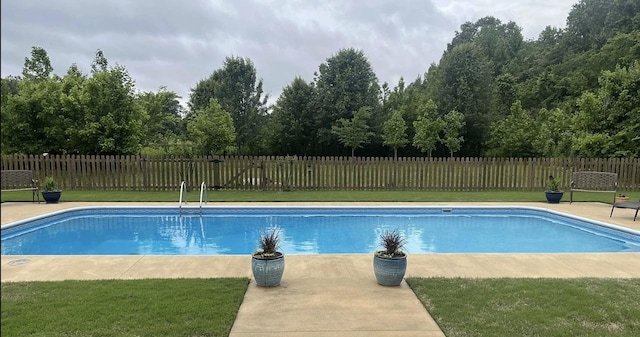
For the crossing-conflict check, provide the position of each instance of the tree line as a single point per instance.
(570, 92)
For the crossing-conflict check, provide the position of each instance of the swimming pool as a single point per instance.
(310, 230)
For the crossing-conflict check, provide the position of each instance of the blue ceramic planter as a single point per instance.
(389, 271)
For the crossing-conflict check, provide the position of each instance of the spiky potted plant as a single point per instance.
(553, 192)
(390, 264)
(267, 263)
(50, 192)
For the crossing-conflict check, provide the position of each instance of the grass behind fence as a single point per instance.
(193, 196)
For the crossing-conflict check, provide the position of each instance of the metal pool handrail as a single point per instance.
(203, 190)
(183, 188)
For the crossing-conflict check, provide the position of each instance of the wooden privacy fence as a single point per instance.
(139, 173)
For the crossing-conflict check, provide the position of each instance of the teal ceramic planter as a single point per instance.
(389, 271)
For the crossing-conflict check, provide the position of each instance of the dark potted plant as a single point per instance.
(390, 264)
(267, 263)
(553, 192)
(50, 192)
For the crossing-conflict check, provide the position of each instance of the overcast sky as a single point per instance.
(178, 43)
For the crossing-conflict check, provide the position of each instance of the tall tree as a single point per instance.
(345, 83)
(30, 117)
(73, 111)
(30, 122)
(354, 133)
(498, 42)
(453, 124)
(555, 133)
(467, 89)
(99, 63)
(114, 123)
(164, 111)
(238, 91)
(211, 130)
(38, 66)
(395, 132)
(608, 121)
(592, 22)
(512, 136)
(427, 127)
(292, 128)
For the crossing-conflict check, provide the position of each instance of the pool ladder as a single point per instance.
(183, 193)
(203, 192)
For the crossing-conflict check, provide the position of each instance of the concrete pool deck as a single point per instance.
(329, 295)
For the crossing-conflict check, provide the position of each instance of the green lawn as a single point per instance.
(328, 196)
(208, 307)
(152, 307)
(532, 307)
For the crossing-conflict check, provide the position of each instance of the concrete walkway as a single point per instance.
(328, 295)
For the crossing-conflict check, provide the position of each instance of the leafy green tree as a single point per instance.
(512, 136)
(608, 121)
(8, 87)
(354, 133)
(73, 111)
(291, 125)
(38, 66)
(466, 80)
(555, 133)
(30, 123)
(453, 124)
(164, 125)
(592, 22)
(211, 130)
(498, 42)
(30, 114)
(428, 127)
(504, 96)
(393, 99)
(395, 132)
(114, 123)
(100, 63)
(238, 91)
(345, 83)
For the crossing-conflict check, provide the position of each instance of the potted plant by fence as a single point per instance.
(553, 192)
(620, 198)
(267, 263)
(50, 192)
(390, 264)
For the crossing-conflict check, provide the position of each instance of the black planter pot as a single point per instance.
(51, 197)
(554, 197)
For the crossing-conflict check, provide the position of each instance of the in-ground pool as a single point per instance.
(310, 230)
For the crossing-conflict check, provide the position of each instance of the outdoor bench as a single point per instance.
(20, 180)
(591, 181)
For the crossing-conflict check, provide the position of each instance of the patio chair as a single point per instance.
(629, 205)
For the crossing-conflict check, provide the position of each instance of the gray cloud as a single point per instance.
(178, 43)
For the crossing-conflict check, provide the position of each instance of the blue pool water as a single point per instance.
(317, 230)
